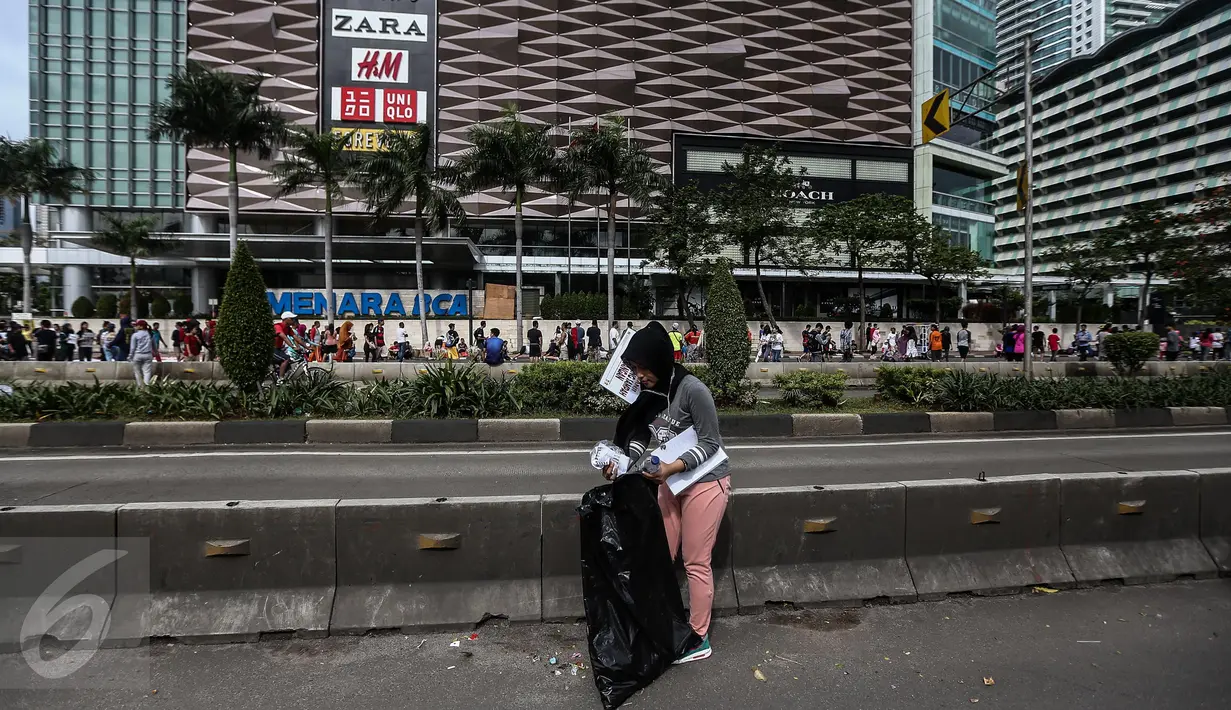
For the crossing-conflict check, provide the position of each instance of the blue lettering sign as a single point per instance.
(280, 304)
(460, 305)
(440, 304)
(348, 304)
(394, 307)
(303, 303)
(370, 303)
(319, 306)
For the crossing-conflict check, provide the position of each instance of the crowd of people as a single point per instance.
(189, 341)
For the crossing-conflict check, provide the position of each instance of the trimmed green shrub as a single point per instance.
(107, 306)
(812, 389)
(182, 305)
(245, 333)
(968, 392)
(159, 307)
(83, 307)
(565, 388)
(571, 306)
(726, 335)
(903, 383)
(126, 307)
(1130, 351)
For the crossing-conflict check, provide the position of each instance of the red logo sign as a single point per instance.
(370, 104)
(384, 65)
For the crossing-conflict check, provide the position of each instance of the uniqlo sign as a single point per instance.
(391, 66)
(361, 104)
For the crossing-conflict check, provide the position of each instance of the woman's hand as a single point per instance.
(610, 471)
(665, 470)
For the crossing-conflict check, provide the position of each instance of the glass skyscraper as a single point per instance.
(96, 69)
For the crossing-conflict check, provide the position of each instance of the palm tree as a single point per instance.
(608, 161)
(218, 110)
(511, 155)
(321, 161)
(403, 171)
(29, 168)
(131, 238)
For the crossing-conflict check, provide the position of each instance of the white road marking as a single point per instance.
(111, 455)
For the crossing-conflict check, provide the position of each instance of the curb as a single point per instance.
(579, 429)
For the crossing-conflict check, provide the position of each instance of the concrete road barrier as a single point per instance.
(986, 537)
(14, 436)
(820, 545)
(1198, 416)
(944, 422)
(563, 598)
(1085, 418)
(826, 424)
(42, 544)
(519, 430)
(97, 371)
(1216, 515)
(230, 571)
(168, 433)
(349, 431)
(1138, 527)
(437, 563)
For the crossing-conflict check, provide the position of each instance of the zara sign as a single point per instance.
(368, 304)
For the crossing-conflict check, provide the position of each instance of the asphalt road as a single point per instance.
(229, 473)
(1161, 647)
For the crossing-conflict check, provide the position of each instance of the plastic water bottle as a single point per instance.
(652, 465)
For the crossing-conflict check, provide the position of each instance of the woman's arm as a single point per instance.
(699, 404)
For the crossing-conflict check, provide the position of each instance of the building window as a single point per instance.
(882, 171)
(709, 161)
(823, 167)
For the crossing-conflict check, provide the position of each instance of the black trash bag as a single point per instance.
(636, 618)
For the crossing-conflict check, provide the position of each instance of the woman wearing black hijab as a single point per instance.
(672, 400)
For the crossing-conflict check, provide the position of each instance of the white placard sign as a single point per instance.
(619, 377)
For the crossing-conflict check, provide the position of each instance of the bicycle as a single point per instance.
(299, 367)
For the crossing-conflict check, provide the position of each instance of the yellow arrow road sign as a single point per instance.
(936, 115)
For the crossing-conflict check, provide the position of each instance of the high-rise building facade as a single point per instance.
(1065, 28)
(955, 45)
(1145, 122)
(96, 70)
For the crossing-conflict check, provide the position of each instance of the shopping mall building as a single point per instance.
(835, 85)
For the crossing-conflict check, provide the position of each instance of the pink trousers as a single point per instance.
(692, 519)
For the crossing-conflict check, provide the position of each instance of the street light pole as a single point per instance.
(1027, 227)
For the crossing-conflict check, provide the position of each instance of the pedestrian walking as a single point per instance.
(1036, 340)
(1206, 343)
(946, 342)
(936, 343)
(156, 338)
(846, 341)
(677, 341)
(66, 343)
(1218, 343)
(45, 340)
(141, 353)
(1083, 342)
(403, 342)
(776, 345)
(1053, 343)
(594, 336)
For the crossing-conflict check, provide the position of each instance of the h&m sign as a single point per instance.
(368, 304)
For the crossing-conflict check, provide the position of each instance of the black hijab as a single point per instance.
(650, 348)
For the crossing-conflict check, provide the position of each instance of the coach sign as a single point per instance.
(378, 65)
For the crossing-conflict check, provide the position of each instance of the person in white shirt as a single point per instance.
(613, 335)
(776, 342)
(403, 341)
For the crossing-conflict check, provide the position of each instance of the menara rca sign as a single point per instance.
(368, 303)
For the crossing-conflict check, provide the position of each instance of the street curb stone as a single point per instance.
(349, 431)
(588, 430)
(961, 421)
(897, 423)
(1144, 418)
(1085, 418)
(168, 433)
(56, 434)
(14, 436)
(519, 430)
(1025, 420)
(1198, 416)
(827, 424)
(752, 425)
(289, 431)
(434, 431)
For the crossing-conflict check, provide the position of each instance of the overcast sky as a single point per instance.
(14, 70)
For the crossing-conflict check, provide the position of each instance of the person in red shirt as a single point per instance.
(692, 338)
(1053, 343)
